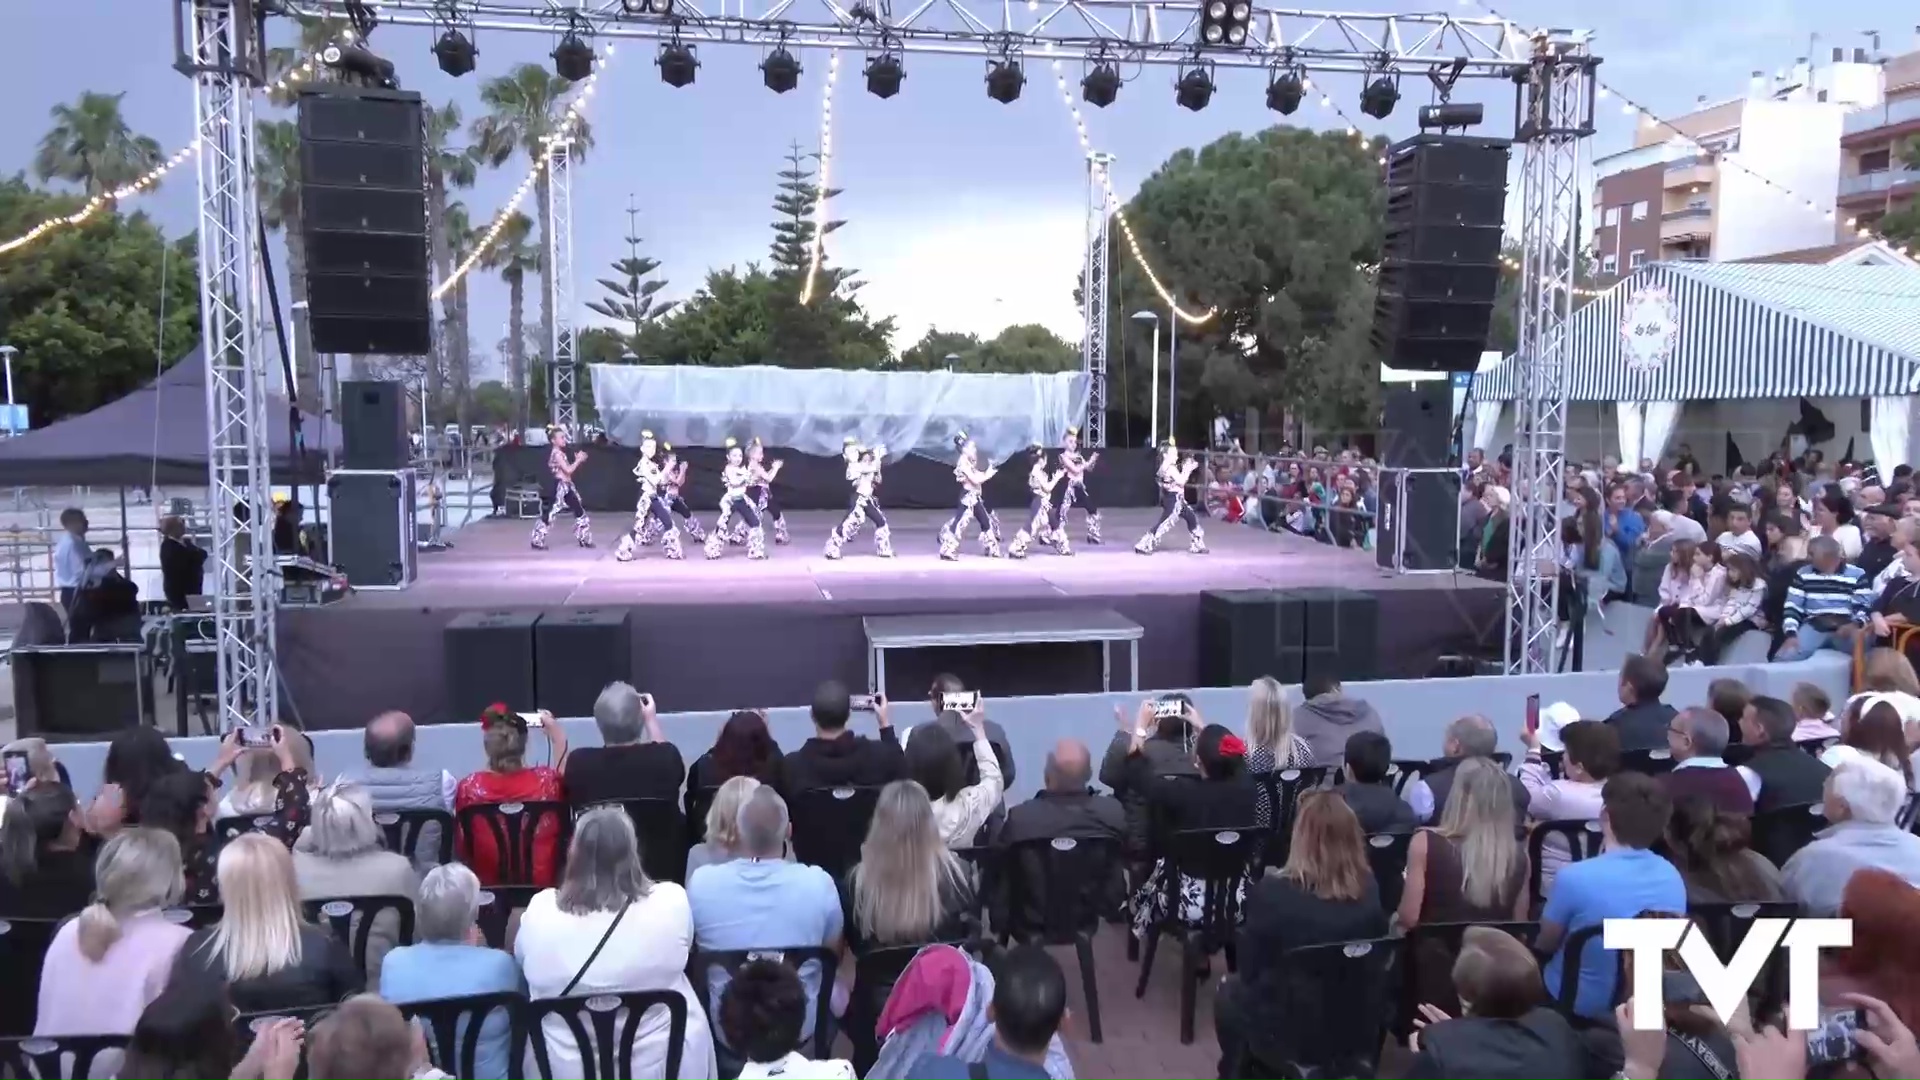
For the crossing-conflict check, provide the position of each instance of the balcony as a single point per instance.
(1904, 111)
(1699, 170)
(1868, 185)
(1686, 224)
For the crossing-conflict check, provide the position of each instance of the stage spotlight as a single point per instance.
(780, 71)
(1451, 116)
(1224, 22)
(647, 7)
(573, 58)
(361, 64)
(677, 64)
(1004, 80)
(884, 73)
(1194, 89)
(455, 53)
(1379, 98)
(1101, 85)
(1285, 91)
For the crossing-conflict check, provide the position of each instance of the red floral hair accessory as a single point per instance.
(496, 712)
(1232, 746)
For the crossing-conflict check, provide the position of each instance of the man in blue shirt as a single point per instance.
(1622, 525)
(1029, 1002)
(1623, 882)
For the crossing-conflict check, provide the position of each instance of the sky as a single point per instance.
(962, 212)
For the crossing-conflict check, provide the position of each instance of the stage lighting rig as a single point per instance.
(1379, 97)
(1101, 85)
(358, 64)
(573, 58)
(678, 64)
(1004, 80)
(884, 73)
(647, 7)
(780, 71)
(455, 52)
(1448, 116)
(1285, 90)
(1195, 89)
(1225, 22)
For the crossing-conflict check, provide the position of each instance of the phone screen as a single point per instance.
(860, 702)
(1167, 710)
(1533, 713)
(256, 738)
(532, 718)
(1833, 1042)
(18, 772)
(963, 701)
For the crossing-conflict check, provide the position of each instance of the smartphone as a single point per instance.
(1167, 710)
(963, 701)
(19, 775)
(254, 737)
(860, 702)
(532, 719)
(1533, 713)
(1834, 1042)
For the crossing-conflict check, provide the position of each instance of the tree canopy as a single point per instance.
(754, 317)
(1028, 348)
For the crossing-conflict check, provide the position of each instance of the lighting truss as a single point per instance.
(1094, 298)
(561, 374)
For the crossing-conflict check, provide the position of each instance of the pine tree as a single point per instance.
(631, 301)
(793, 233)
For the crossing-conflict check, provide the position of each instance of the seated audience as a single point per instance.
(1029, 1005)
(269, 955)
(389, 776)
(1826, 605)
(1813, 715)
(1742, 609)
(1877, 548)
(722, 843)
(1327, 717)
(269, 778)
(1469, 737)
(508, 779)
(1222, 798)
(1730, 698)
(1885, 952)
(1591, 754)
(1896, 603)
(1368, 789)
(608, 929)
(1325, 893)
(744, 747)
(365, 1037)
(1697, 738)
(1067, 805)
(1625, 879)
(634, 760)
(1890, 673)
(1468, 869)
(1141, 754)
(1788, 775)
(136, 757)
(46, 857)
(962, 735)
(42, 766)
(1714, 854)
(1872, 728)
(181, 804)
(1506, 1028)
(761, 901)
(1690, 1042)
(1833, 520)
(1739, 534)
(1272, 745)
(106, 966)
(837, 757)
(340, 854)
(187, 1033)
(933, 761)
(762, 1015)
(1863, 801)
(449, 959)
(1642, 718)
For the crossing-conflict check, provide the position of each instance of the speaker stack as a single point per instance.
(363, 218)
(490, 659)
(1288, 634)
(558, 660)
(1418, 527)
(371, 536)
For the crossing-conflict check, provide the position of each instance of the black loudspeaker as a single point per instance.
(1416, 424)
(1419, 523)
(1446, 205)
(1239, 637)
(1288, 634)
(373, 425)
(1339, 631)
(371, 538)
(577, 652)
(490, 659)
(363, 217)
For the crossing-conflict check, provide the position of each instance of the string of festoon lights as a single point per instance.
(569, 121)
(821, 179)
(151, 178)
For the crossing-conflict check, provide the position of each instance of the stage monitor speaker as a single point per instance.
(1343, 634)
(1416, 424)
(490, 659)
(373, 425)
(371, 538)
(577, 652)
(1240, 638)
(1446, 205)
(363, 218)
(1419, 524)
(79, 693)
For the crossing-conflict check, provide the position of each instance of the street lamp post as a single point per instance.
(1153, 395)
(6, 353)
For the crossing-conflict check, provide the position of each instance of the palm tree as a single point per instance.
(91, 145)
(525, 109)
(459, 237)
(276, 170)
(515, 258)
(447, 167)
(315, 35)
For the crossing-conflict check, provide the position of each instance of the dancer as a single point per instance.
(761, 476)
(564, 493)
(652, 507)
(1041, 524)
(673, 473)
(973, 504)
(1074, 492)
(736, 477)
(863, 472)
(1172, 477)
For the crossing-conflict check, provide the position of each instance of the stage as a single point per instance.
(734, 633)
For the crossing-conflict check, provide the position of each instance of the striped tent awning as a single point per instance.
(1746, 330)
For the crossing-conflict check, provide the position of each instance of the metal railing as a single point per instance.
(1865, 183)
(1879, 116)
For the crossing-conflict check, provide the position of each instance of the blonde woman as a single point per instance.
(108, 964)
(341, 854)
(723, 826)
(1470, 869)
(267, 778)
(268, 954)
(1271, 744)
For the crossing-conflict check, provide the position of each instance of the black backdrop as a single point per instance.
(809, 482)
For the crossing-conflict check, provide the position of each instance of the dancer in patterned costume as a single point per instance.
(761, 476)
(973, 504)
(863, 472)
(674, 475)
(1042, 524)
(1073, 492)
(652, 507)
(1172, 478)
(736, 478)
(564, 493)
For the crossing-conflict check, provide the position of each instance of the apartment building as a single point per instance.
(1875, 179)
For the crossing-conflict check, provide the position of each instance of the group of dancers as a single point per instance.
(748, 505)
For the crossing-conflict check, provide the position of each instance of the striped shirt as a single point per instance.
(1847, 592)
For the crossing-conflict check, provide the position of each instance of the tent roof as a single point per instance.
(1753, 330)
(157, 433)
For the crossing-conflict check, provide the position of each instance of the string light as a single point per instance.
(569, 120)
(151, 178)
(819, 244)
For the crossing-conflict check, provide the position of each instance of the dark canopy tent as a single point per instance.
(157, 434)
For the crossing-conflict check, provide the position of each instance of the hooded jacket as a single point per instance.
(1326, 722)
(846, 759)
(1132, 776)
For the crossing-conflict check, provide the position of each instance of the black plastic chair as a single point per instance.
(1655, 762)
(454, 1026)
(407, 830)
(604, 1028)
(227, 828)
(1057, 891)
(819, 1045)
(196, 916)
(829, 825)
(1430, 952)
(63, 1057)
(1726, 926)
(1780, 832)
(1279, 798)
(875, 971)
(1404, 771)
(23, 950)
(1387, 856)
(1583, 840)
(514, 828)
(1338, 1003)
(1222, 860)
(699, 801)
(248, 1025)
(351, 919)
(662, 831)
(1575, 953)
(1908, 812)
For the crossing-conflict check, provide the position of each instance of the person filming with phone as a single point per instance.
(509, 779)
(835, 756)
(1158, 742)
(960, 809)
(634, 760)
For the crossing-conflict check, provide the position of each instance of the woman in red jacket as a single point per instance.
(508, 780)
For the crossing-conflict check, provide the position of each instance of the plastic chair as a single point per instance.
(351, 919)
(1058, 889)
(829, 824)
(1726, 925)
(247, 1025)
(1574, 953)
(819, 1045)
(662, 832)
(454, 1027)
(1430, 951)
(1655, 762)
(604, 1029)
(699, 801)
(227, 828)
(1279, 798)
(1387, 855)
(23, 951)
(196, 916)
(1338, 1003)
(1780, 832)
(514, 828)
(1583, 841)
(1221, 859)
(63, 1057)
(406, 830)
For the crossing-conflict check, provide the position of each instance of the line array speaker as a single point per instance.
(1446, 204)
(363, 218)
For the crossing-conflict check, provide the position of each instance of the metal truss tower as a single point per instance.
(561, 369)
(1554, 119)
(1095, 297)
(219, 51)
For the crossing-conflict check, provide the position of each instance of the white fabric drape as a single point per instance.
(1892, 420)
(1486, 423)
(1661, 418)
(1632, 424)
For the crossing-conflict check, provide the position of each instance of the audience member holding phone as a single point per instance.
(634, 761)
(945, 717)
(836, 756)
(1156, 742)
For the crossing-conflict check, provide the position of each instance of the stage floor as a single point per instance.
(734, 632)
